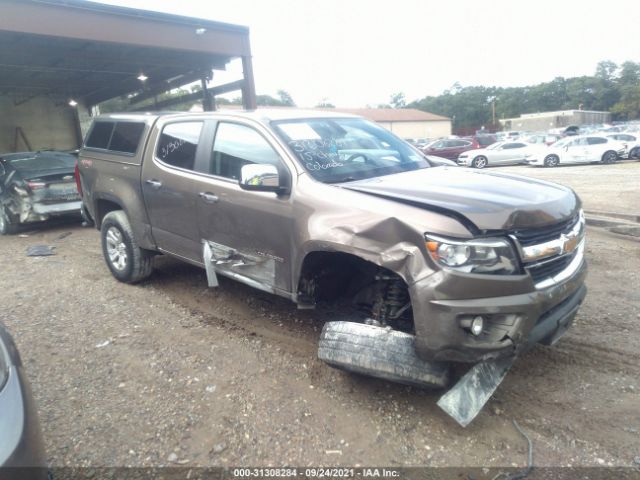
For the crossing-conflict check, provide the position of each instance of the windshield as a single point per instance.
(493, 146)
(41, 160)
(337, 150)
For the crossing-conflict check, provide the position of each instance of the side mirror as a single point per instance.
(260, 177)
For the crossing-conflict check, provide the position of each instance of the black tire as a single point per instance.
(551, 161)
(129, 263)
(6, 227)
(479, 162)
(609, 157)
(635, 153)
(379, 352)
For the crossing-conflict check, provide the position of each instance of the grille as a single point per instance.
(542, 271)
(533, 236)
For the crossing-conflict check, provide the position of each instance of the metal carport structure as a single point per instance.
(53, 52)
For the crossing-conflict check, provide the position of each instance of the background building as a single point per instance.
(405, 122)
(547, 120)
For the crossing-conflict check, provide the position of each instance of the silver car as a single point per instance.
(499, 153)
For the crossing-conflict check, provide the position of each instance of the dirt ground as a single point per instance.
(172, 372)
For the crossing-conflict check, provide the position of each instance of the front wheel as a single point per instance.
(127, 261)
(480, 162)
(551, 161)
(609, 157)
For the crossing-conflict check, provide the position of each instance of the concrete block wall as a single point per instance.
(45, 123)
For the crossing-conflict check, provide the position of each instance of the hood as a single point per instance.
(483, 201)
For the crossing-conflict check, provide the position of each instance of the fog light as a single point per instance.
(477, 325)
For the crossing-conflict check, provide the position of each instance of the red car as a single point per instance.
(451, 148)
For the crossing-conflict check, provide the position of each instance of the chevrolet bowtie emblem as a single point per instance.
(569, 242)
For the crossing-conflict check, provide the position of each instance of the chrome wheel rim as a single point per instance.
(3, 222)
(481, 162)
(608, 158)
(552, 161)
(116, 249)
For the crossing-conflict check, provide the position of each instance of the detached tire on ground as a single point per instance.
(127, 261)
(378, 352)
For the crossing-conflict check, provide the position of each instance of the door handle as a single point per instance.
(153, 183)
(208, 197)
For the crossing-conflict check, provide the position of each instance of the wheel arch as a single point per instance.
(348, 265)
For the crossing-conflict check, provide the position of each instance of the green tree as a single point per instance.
(285, 98)
(398, 100)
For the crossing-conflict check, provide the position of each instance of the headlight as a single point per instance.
(486, 255)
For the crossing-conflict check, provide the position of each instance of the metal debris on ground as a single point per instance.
(523, 473)
(40, 251)
(63, 235)
(467, 397)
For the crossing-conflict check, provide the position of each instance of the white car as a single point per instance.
(628, 140)
(499, 153)
(579, 149)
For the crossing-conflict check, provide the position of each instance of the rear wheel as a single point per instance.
(480, 162)
(551, 161)
(127, 261)
(609, 157)
(6, 227)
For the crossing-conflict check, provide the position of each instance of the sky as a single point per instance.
(355, 53)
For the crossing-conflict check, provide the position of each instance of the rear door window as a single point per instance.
(100, 135)
(126, 137)
(596, 140)
(178, 144)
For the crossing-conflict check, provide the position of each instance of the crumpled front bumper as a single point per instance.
(517, 315)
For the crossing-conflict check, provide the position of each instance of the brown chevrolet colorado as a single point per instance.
(440, 264)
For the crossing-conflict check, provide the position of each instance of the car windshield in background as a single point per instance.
(41, 160)
(335, 150)
(486, 140)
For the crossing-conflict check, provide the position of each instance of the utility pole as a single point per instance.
(493, 111)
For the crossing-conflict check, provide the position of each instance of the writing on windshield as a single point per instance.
(345, 149)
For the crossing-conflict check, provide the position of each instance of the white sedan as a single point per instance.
(580, 149)
(499, 153)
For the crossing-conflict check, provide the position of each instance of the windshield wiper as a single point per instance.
(343, 180)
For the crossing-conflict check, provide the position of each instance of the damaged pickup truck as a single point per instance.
(439, 264)
(35, 186)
